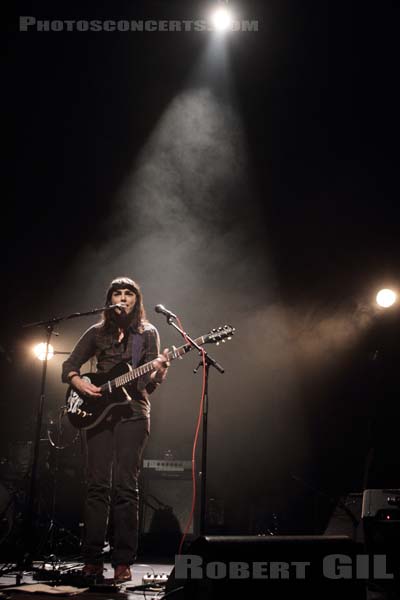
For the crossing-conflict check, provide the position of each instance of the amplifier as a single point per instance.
(381, 522)
(156, 468)
(166, 498)
(382, 505)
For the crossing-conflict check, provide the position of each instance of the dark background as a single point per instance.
(252, 182)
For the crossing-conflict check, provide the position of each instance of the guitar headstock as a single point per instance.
(219, 334)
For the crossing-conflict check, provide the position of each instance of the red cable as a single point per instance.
(190, 519)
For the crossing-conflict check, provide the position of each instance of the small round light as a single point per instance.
(222, 19)
(40, 351)
(386, 298)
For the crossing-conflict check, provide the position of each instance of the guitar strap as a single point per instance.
(137, 345)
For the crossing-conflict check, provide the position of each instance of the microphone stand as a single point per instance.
(25, 562)
(209, 361)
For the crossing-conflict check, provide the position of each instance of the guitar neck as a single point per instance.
(130, 376)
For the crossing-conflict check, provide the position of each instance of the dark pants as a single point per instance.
(113, 457)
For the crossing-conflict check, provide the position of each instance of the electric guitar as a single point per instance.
(87, 412)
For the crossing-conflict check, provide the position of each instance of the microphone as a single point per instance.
(164, 311)
(112, 306)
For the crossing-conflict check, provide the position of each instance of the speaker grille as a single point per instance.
(166, 505)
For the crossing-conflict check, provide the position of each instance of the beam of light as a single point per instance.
(386, 298)
(222, 19)
(40, 351)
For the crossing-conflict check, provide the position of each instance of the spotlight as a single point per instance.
(386, 298)
(222, 18)
(40, 351)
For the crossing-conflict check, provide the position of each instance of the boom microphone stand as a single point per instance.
(209, 361)
(56, 531)
(28, 545)
(30, 513)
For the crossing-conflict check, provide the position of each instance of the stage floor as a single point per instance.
(66, 573)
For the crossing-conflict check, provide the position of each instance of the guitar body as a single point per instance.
(86, 412)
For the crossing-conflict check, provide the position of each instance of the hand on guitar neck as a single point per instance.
(160, 364)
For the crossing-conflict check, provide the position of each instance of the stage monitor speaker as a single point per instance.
(281, 567)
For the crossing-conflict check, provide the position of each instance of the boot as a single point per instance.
(93, 571)
(122, 573)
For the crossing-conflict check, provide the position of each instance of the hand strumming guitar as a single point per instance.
(85, 388)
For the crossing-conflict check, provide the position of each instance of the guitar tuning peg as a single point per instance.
(217, 344)
(223, 341)
(229, 338)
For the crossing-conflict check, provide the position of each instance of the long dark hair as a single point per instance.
(136, 319)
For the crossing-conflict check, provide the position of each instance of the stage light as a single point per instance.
(40, 351)
(222, 18)
(386, 298)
